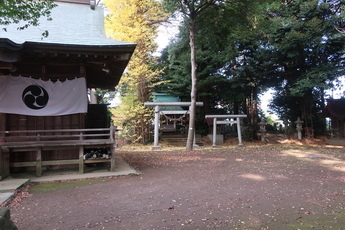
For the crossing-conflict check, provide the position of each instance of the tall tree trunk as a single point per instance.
(322, 108)
(254, 105)
(142, 97)
(191, 130)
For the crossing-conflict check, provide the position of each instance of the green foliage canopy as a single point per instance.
(246, 47)
(27, 12)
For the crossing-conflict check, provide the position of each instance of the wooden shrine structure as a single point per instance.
(76, 47)
(158, 112)
(169, 118)
(335, 110)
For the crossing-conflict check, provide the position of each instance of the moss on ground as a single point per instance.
(57, 186)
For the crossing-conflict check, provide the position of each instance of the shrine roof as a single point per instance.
(72, 25)
(76, 46)
(164, 97)
(335, 108)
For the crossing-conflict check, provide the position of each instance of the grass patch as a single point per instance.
(325, 219)
(58, 186)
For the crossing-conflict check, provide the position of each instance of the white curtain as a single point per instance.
(35, 97)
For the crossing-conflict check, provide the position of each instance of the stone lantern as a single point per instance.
(263, 130)
(299, 128)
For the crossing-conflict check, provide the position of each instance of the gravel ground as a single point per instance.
(275, 186)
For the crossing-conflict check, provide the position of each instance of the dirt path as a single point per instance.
(253, 187)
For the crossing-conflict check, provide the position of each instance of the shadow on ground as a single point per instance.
(280, 186)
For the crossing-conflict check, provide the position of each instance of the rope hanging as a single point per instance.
(175, 119)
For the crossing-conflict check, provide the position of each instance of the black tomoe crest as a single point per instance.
(35, 97)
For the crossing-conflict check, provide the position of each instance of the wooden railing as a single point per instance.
(56, 134)
(40, 140)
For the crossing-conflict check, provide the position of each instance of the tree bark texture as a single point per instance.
(191, 130)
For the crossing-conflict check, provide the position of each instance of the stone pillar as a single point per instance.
(263, 131)
(214, 134)
(156, 130)
(194, 141)
(299, 128)
(194, 136)
(238, 121)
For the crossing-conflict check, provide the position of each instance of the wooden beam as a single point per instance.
(44, 163)
(91, 161)
(23, 164)
(61, 162)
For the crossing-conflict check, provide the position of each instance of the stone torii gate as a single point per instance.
(158, 112)
(215, 123)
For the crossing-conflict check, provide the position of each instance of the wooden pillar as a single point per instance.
(4, 163)
(81, 159)
(112, 160)
(4, 154)
(112, 148)
(112, 132)
(39, 162)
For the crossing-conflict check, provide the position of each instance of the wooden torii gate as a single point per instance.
(215, 123)
(158, 112)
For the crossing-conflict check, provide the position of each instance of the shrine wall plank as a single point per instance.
(22, 122)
